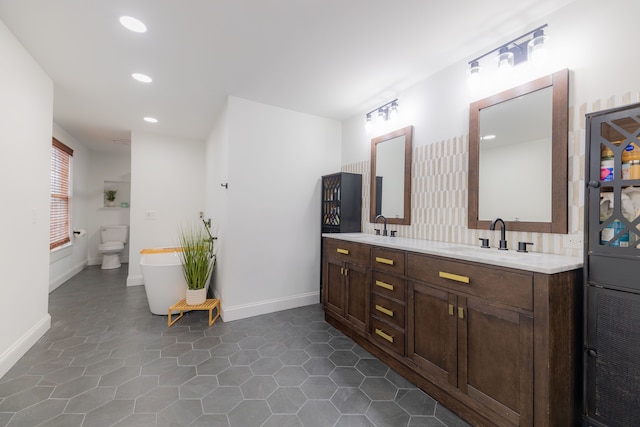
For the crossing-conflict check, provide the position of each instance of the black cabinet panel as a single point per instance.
(612, 268)
(613, 356)
(342, 203)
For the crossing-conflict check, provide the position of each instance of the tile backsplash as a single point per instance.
(439, 190)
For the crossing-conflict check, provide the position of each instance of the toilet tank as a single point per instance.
(114, 233)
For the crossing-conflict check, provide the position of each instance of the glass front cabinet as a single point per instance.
(611, 393)
(342, 203)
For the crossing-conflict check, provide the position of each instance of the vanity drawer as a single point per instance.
(388, 260)
(490, 282)
(389, 310)
(354, 253)
(387, 335)
(388, 285)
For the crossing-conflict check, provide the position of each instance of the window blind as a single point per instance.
(59, 232)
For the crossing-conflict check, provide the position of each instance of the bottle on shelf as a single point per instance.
(606, 164)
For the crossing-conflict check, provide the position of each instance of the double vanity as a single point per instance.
(491, 334)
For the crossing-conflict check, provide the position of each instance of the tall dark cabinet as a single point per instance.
(611, 394)
(342, 203)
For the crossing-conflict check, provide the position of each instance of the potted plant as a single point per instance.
(197, 263)
(110, 195)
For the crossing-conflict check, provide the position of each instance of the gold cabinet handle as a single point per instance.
(342, 251)
(455, 277)
(384, 260)
(342, 271)
(384, 310)
(451, 310)
(461, 312)
(384, 285)
(383, 335)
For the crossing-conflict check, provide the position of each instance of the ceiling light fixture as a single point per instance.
(386, 112)
(142, 77)
(531, 45)
(133, 24)
(151, 120)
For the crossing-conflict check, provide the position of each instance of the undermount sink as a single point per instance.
(488, 252)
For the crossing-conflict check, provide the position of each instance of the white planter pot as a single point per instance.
(196, 296)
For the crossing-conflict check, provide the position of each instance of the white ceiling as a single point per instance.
(331, 58)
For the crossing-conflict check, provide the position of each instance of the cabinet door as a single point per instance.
(432, 332)
(613, 361)
(495, 358)
(358, 293)
(334, 288)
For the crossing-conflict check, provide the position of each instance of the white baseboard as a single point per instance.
(136, 280)
(55, 283)
(18, 349)
(243, 311)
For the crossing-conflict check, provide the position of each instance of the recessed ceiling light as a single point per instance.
(133, 24)
(151, 119)
(141, 77)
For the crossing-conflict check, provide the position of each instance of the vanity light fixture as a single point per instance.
(386, 112)
(531, 45)
(133, 24)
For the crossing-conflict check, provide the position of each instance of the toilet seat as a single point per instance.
(111, 246)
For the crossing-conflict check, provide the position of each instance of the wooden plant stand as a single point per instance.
(182, 306)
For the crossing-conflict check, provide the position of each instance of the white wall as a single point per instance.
(167, 191)
(217, 202)
(105, 166)
(70, 260)
(269, 255)
(26, 111)
(593, 40)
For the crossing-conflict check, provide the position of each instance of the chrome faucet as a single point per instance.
(384, 232)
(503, 230)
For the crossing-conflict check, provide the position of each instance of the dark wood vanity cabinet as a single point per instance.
(347, 278)
(482, 344)
(495, 345)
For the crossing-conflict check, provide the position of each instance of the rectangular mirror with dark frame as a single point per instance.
(391, 176)
(518, 157)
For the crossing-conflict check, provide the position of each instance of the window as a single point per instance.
(60, 233)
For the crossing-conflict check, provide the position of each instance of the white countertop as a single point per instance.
(530, 261)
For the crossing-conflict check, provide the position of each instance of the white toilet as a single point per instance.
(113, 238)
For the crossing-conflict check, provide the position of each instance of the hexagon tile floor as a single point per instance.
(107, 361)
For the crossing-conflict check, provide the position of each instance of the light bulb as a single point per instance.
(537, 48)
(393, 111)
(505, 59)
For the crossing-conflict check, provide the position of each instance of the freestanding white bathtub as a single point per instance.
(163, 279)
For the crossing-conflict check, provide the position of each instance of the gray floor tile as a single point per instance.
(289, 368)
(286, 400)
(318, 413)
(249, 413)
(351, 401)
(385, 413)
(278, 420)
